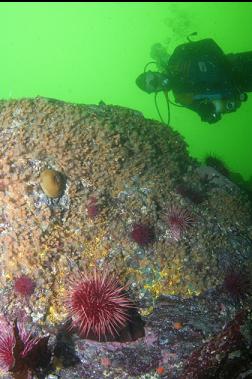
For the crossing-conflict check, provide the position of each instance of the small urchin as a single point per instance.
(179, 220)
(98, 304)
(238, 284)
(24, 286)
(142, 234)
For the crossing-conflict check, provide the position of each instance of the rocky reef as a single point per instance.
(97, 186)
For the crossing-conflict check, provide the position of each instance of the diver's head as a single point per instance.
(153, 82)
(207, 111)
(211, 110)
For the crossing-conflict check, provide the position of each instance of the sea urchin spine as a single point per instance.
(98, 305)
(178, 219)
(20, 351)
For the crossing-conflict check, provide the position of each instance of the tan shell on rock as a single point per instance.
(52, 183)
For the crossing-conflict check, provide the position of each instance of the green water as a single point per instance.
(87, 52)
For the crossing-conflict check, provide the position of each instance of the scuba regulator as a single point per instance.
(202, 78)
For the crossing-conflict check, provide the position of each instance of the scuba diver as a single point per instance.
(201, 77)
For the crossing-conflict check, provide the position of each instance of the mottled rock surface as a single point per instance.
(117, 171)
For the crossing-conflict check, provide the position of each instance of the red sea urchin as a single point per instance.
(238, 285)
(142, 234)
(98, 305)
(7, 343)
(20, 351)
(178, 219)
(190, 193)
(24, 286)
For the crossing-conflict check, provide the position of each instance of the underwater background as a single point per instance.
(88, 52)
(121, 255)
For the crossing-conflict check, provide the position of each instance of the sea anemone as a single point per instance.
(52, 182)
(142, 234)
(178, 220)
(98, 305)
(24, 286)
